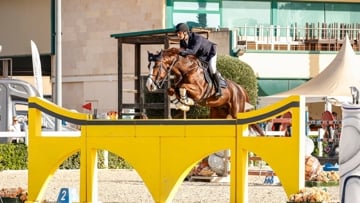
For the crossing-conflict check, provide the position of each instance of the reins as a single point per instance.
(168, 71)
(160, 83)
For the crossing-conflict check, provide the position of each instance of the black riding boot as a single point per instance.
(216, 77)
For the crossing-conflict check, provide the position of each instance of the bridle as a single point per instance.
(158, 81)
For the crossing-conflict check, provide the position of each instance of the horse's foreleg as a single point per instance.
(173, 99)
(184, 98)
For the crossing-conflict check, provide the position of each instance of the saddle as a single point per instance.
(207, 75)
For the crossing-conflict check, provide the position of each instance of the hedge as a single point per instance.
(15, 157)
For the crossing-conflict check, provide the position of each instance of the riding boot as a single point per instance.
(216, 77)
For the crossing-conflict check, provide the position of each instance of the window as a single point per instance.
(273, 24)
(342, 13)
(238, 13)
(195, 13)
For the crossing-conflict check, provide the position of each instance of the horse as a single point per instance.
(192, 85)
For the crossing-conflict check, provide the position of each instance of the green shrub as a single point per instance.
(13, 157)
(114, 161)
(233, 69)
(73, 162)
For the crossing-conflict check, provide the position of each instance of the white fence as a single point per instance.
(293, 35)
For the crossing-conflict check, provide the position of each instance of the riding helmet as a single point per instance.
(181, 27)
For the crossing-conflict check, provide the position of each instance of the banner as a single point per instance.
(37, 68)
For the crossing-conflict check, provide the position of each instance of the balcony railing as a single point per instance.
(311, 37)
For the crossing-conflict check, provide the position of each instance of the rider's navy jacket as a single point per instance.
(199, 46)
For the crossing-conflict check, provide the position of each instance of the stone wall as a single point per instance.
(90, 54)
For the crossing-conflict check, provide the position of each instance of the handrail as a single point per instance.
(319, 37)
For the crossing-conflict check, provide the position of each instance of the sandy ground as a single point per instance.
(127, 187)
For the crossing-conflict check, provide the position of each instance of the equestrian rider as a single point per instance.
(199, 46)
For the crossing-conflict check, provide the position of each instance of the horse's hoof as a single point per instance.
(187, 101)
(184, 108)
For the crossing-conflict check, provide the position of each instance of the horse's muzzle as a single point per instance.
(150, 85)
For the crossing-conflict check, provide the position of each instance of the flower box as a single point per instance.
(321, 183)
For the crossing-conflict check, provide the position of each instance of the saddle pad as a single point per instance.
(223, 83)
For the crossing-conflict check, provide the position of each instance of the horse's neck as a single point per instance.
(185, 66)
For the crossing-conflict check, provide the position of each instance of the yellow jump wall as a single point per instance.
(164, 151)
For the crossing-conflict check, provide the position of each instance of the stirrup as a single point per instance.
(218, 94)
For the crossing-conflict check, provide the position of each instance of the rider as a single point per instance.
(204, 49)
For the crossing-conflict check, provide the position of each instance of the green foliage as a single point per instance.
(13, 156)
(233, 69)
(117, 162)
(114, 161)
(73, 162)
(198, 112)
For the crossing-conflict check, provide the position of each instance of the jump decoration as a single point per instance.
(310, 194)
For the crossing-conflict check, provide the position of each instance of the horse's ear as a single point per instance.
(150, 56)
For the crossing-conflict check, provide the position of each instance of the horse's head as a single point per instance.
(160, 66)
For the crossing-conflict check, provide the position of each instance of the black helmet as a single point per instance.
(181, 27)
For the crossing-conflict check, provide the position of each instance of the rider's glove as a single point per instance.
(183, 53)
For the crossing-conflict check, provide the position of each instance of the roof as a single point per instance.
(152, 36)
(146, 32)
(332, 83)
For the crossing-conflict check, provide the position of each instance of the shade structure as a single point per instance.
(331, 85)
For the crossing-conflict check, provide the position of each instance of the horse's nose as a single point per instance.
(150, 85)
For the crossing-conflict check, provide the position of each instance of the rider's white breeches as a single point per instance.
(212, 64)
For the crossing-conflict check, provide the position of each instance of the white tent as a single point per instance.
(332, 84)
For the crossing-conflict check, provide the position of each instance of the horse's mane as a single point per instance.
(173, 51)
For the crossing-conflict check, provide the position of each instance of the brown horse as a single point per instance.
(194, 85)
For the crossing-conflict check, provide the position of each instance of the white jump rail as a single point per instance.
(23, 134)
